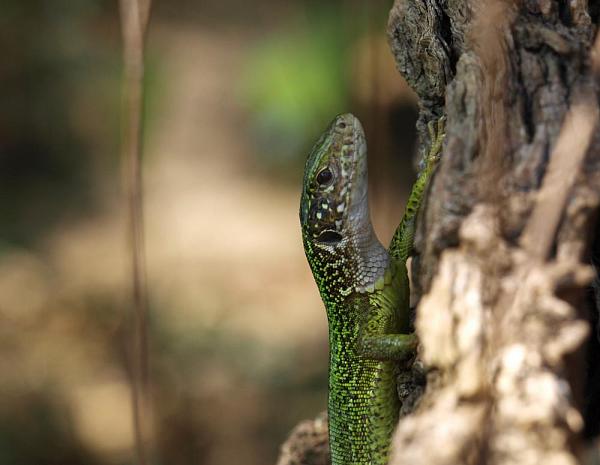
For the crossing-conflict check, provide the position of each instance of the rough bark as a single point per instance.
(508, 234)
(504, 240)
(307, 444)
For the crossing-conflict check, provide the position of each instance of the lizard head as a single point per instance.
(334, 194)
(339, 241)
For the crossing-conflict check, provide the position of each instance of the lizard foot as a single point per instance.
(436, 135)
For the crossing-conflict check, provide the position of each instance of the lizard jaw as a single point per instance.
(358, 214)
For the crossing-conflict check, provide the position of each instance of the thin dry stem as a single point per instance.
(134, 20)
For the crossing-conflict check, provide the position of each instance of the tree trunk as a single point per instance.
(504, 242)
(507, 236)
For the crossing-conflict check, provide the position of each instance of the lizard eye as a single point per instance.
(324, 177)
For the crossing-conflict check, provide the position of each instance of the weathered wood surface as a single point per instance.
(504, 240)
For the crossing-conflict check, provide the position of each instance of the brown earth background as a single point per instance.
(236, 94)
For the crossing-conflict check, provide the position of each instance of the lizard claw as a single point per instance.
(436, 135)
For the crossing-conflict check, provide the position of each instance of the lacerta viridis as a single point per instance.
(364, 288)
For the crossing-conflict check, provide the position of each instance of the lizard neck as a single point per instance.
(370, 257)
(351, 266)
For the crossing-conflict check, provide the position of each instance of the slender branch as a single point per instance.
(134, 20)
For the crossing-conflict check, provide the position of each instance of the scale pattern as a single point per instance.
(365, 292)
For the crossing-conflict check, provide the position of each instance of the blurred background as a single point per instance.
(236, 94)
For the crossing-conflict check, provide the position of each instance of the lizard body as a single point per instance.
(364, 288)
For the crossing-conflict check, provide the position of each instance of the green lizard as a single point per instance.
(364, 288)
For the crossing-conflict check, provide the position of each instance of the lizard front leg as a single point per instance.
(389, 304)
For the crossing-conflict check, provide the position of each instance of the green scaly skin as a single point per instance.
(364, 288)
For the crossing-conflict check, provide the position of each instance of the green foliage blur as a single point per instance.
(299, 77)
(293, 84)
